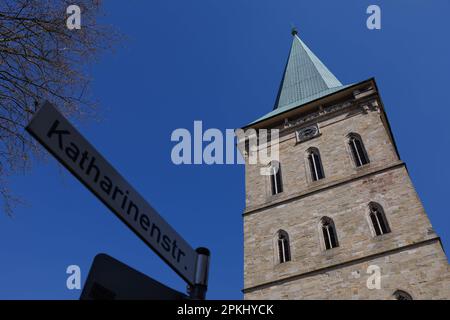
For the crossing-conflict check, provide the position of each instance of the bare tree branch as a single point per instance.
(41, 59)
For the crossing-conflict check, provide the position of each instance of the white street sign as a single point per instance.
(67, 145)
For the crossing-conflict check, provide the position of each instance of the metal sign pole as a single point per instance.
(198, 290)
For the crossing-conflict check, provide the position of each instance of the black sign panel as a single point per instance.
(110, 279)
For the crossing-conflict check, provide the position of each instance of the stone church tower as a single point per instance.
(340, 207)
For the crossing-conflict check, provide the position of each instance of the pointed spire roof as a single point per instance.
(305, 79)
(304, 75)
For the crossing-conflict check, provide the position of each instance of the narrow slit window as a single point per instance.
(378, 218)
(247, 146)
(275, 178)
(315, 165)
(329, 233)
(402, 295)
(284, 250)
(358, 150)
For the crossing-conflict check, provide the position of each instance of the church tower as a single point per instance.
(339, 217)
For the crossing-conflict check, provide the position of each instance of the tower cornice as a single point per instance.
(310, 106)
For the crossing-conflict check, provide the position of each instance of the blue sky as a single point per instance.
(220, 62)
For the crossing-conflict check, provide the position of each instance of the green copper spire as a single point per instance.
(305, 79)
(304, 75)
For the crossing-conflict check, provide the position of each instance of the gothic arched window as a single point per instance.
(329, 233)
(275, 177)
(402, 295)
(315, 164)
(358, 150)
(378, 218)
(284, 250)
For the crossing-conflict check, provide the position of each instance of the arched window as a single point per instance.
(378, 218)
(284, 250)
(275, 177)
(358, 151)
(315, 164)
(402, 295)
(329, 233)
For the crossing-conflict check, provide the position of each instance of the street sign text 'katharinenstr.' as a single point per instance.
(64, 142)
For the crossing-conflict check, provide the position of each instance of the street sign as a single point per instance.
(67, 145)
(110, 279)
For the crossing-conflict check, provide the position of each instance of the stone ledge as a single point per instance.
(340, 264)
(361, 173)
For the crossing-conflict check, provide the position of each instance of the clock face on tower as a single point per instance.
(307, 133)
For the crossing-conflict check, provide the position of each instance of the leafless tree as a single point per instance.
(41, 59)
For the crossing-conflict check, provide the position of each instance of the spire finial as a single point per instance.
(294, 31)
